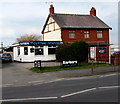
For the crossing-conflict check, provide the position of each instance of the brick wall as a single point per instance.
(80, 36)
(93, 38)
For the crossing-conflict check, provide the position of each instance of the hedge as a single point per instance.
(72, 51)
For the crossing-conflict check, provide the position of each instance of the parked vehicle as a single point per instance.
(114, 53)
(6, 57)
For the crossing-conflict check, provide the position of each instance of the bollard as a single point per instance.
(92, 71)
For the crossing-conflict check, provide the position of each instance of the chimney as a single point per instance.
(51, 9)
(93, 11)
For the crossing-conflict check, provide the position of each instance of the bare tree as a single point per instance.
(29, 37)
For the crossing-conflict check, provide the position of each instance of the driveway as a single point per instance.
(17, 74)
(14, 74)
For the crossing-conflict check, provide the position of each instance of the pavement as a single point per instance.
(18, 74)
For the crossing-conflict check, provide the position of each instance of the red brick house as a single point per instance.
(74, 27)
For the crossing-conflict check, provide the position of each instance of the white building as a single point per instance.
(29, 51)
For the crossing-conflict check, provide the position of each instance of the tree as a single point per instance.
(29, 37)
(72, 51)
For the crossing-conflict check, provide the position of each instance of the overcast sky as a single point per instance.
(19, 18)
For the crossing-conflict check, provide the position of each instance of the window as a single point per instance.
(51, 50)
(71, 34)
(25, 50)
(38, 51)
(31, 50)
(18, 51)
(99, 34)
(86, 34)
(102, 50)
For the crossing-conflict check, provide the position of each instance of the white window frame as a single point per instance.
(18, 48)
(72, 35)
(86, 34)
(38, 48)
(99, 34)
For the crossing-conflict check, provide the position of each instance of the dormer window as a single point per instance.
(99, 34)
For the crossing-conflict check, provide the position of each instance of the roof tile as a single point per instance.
(78, 21)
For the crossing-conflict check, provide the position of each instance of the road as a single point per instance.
(98, 88)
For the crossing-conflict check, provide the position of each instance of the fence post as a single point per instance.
(92, 69)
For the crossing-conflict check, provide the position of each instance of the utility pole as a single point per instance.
(2, 46)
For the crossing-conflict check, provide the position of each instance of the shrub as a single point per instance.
(72, 51)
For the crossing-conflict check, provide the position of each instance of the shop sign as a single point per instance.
(36, 43)
(102, 50)
(69, 63)
(37, 64)
(24, 43)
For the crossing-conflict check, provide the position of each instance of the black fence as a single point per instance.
(39, 63)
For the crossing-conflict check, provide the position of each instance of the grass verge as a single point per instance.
(80, 66)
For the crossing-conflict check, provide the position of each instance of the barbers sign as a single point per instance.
(69, 63)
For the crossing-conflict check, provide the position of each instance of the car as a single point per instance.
(6, 57)
(114, 53)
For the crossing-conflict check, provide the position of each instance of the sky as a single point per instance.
(18, 17)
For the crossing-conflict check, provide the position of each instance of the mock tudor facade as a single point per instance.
(75, 27)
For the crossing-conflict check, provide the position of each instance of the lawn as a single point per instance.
(80, 66)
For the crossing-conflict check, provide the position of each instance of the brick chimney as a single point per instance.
(51, 9)
(93, 11)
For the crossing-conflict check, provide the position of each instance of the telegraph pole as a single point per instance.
(2, 46)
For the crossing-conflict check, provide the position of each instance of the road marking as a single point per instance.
(67, 95)
(41, 98)
(77, 92)
(109, 87)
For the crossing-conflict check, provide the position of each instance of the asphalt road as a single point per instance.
(86, 89)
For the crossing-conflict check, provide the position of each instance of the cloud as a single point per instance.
(31, 30)
(28, 16)
(23, 10)
(7, 32)
(59, 1)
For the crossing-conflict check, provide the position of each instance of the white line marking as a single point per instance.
(77, 92)
(42, 98)
(109, 87)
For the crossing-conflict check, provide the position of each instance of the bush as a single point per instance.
(72, 51)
